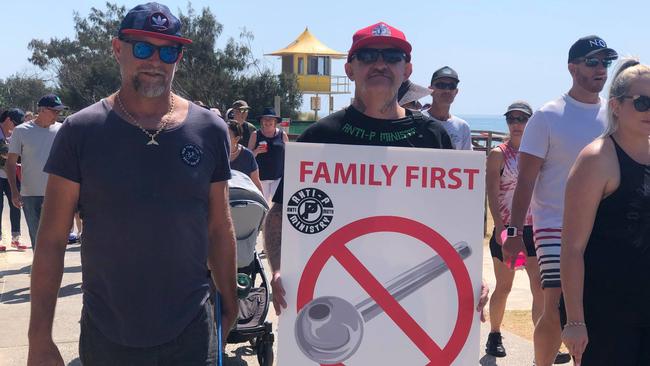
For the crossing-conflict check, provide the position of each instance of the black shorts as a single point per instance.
(195, 346)
(529, 242)
(612, 343)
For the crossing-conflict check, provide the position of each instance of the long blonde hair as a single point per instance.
(629, 70)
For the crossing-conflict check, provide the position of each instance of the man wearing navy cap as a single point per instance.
(148, 171)
(32, 141)
(553, 137)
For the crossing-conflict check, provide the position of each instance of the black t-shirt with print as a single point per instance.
(351, 127)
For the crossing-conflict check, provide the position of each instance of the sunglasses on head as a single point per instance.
(143, 50)
(445, 86)
(511, 119)
(641, 102)
(371, 55)
(594, 61)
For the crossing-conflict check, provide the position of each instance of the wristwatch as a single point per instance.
(514, 232)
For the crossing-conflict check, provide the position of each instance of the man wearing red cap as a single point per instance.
(378, 62)
(148, 171)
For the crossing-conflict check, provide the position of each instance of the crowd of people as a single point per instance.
(147, 169)
(560, 147)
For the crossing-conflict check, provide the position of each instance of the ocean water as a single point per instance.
(486, 122)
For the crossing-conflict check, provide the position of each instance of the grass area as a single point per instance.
(519, 322)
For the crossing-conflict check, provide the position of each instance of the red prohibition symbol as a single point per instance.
(335, 246)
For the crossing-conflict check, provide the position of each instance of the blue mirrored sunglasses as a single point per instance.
(143, 50)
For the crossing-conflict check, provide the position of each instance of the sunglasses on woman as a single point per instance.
(641, 102)
(510, 120)
(371, 55)
(143, 50)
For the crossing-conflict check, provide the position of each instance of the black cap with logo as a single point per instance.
(589, 46)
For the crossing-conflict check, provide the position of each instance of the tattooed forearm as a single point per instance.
(273, 236)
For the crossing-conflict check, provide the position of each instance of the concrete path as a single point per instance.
(14, 312)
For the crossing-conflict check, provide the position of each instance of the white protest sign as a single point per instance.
(381, 255)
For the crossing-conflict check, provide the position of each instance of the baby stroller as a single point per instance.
(248, 209)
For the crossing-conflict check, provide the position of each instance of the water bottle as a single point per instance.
(520, 262)
(244, 285)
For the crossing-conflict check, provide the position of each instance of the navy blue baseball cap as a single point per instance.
(153, 20)
(269, 112)
(589, 46)
(51, 101)
(16, 115)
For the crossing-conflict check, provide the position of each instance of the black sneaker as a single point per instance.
(494, 346)
(562, 358)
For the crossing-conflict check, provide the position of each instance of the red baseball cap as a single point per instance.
(380, 33)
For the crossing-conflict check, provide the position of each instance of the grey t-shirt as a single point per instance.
(33, 143)
(145, 214)
(458, 129)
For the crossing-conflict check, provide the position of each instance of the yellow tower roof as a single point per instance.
(306, 43)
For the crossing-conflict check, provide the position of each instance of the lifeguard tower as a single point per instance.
(311, 61)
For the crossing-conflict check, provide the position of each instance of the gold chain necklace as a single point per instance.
(164, 123)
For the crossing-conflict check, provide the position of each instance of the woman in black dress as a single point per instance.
(605, 260)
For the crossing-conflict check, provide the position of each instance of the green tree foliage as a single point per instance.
(85, 67)
(87, 70)
(22, 91)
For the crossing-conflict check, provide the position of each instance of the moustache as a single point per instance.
(152, 71)
(382, 74)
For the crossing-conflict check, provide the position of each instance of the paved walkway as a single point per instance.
(14, 312)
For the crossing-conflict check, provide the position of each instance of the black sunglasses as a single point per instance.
(143, 50)
(593, 62)
(511, 120)
(641, 102)
(371, 55)
(445, 86)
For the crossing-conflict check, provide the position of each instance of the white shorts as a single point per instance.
(269, 187)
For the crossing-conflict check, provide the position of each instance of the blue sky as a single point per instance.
(502, 49)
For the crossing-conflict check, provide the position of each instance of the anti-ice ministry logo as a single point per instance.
(159, 22)
(310, 210)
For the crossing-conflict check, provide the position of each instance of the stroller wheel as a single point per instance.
(265, 352)
(253, 342)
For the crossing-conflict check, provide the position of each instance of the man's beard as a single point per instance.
(150, 88)
(589, 84)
